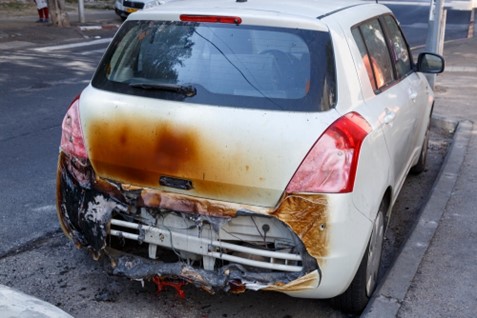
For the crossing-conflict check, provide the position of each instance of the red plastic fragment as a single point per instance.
(161, 283)
(236, 287)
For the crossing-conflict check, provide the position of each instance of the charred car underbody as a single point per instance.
(213, 245)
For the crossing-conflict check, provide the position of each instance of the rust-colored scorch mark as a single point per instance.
(307, 216)
(179, 202)
(140, 154)
(141, 151)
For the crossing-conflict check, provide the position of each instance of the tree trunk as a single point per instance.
(58, 14)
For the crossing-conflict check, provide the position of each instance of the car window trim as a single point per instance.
(386, 32)
(384, 87)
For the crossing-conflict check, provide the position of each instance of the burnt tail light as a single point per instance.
(330, 166)
(211, 19)
(72, 141)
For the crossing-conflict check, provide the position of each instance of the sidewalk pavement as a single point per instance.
(435, 273)
(21, 31)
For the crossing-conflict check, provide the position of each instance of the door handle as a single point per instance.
(389, 117)
(412, 95)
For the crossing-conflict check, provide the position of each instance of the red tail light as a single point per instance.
(72, 141)
(210, 19)
(331, 164)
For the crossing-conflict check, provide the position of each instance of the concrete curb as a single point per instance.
(388, 297)
(14, 303)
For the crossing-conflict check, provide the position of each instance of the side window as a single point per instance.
(372, 44)
(399, 49)
(364, 55)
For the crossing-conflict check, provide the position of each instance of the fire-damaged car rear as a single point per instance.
(210, 244)
(175, 161)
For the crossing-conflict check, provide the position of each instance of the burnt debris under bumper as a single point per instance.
(213, 245)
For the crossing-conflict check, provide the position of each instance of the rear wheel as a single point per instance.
(356, 297)
(420, 166)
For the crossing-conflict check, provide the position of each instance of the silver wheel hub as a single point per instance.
(374, 253)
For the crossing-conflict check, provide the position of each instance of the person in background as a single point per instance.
(42, 7)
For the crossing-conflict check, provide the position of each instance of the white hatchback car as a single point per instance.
(237, 145)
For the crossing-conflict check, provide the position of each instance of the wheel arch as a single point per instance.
(387, 199)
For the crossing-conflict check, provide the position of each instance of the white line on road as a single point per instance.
(93, 52)
(73, 45)
(462, 69)
(44, 208)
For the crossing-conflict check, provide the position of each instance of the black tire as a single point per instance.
(420, 166)
(356, 297)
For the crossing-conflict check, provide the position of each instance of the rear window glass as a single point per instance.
(225, 65)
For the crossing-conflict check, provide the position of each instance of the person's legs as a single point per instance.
(40, 15)
(46, 14)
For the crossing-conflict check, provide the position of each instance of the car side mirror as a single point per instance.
(430, 63)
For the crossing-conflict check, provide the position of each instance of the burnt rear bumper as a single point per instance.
(213, 245)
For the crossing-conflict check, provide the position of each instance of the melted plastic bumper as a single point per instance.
(213, 245)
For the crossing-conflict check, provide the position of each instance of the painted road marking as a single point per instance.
(70, 46)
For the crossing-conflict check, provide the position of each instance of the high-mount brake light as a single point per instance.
(72, 141)
(330, 166)
(211, 19)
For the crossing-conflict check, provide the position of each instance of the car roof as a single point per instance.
(286, 13)
(305, 8)
(309, 8)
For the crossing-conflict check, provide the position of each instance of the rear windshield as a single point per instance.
(221, 64)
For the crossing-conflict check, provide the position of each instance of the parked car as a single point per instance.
(236, 147)
(123, 8)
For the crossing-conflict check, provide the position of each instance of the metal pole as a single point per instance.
(435, 32)
(470, 32)
(81, 11)
(442, 32)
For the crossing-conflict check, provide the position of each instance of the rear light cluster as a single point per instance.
(72, 141)
(330, 166)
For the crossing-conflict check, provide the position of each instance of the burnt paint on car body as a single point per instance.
(125, 151)
(85, 204)
(140, 151)
(307, 216)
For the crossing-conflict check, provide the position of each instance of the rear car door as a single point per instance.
(416, 86)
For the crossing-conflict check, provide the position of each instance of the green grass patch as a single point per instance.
(15, 6)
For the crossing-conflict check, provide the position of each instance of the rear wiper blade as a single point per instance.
(187, 90)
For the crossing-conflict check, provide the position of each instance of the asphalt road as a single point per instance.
(414, 22)
(36, 90)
